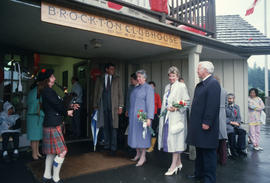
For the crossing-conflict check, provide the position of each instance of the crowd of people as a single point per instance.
(212, 127)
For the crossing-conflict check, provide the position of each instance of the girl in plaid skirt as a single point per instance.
(53, 141)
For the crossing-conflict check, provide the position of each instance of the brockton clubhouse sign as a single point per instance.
(67, 17)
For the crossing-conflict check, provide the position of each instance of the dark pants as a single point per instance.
(155, 124)
(222, 152)
(206, 164)
(76, 122)
(238, 145)
(14, 135)
(110, 133)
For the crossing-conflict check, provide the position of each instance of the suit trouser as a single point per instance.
(14, 135)
(110, 133)
(206, 164)
(76, 122)
(241, 140)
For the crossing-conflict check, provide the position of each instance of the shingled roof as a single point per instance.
(234, 30)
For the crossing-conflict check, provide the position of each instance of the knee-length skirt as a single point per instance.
(53, 140)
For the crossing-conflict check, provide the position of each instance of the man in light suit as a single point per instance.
(203, 128)
(233, 119)
(108, 99)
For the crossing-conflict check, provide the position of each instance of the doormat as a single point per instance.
(82, 164)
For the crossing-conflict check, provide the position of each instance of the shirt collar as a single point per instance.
(207, 77)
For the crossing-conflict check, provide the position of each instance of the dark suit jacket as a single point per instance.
(205, 109)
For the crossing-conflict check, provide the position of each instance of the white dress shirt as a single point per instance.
(106, 78)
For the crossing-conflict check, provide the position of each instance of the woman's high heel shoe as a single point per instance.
(141, 163)
(180, 166)
(135, 158)
(172, 172)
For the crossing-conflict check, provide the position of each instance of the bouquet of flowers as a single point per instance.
(142, 117)
(177, 105)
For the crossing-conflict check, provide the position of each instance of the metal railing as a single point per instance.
(197, 14)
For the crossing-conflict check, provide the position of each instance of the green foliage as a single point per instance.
(256, 78)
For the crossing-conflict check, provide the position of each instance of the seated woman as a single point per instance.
(9, 127)
(233, 119)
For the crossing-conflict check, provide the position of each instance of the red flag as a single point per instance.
(114, 6)
(159, 5)
(251, 9)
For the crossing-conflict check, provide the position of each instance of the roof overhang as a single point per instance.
(185, 35)
(188, 37)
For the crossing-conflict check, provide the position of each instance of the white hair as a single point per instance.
(208, 66)
(173, 70)
(142, 72)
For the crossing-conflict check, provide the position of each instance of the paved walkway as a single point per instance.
(253, 169)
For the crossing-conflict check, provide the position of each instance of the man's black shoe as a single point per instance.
(194, 177)
(242, 153)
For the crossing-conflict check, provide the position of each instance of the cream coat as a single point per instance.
(176, 142)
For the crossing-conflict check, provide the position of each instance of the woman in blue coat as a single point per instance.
(142, 98)
(34, 120)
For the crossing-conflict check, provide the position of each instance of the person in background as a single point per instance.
(34, 119)
(222, 146)
(173, 125)
(10, 125)
(156, 118)
(76, 119)
(233, 119)
(133, 84)
(54, 145)
(142, 98)
(255, 106)
(181, 80)
(108, 99)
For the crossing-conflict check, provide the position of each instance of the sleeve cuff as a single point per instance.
(207, 123)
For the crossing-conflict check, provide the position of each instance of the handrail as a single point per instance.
(198, 12)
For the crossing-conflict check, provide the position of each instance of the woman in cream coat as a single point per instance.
(172, 126)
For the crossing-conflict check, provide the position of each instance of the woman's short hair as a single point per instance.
(173, 70)
(142, 72)
(134, 76)
(152, 83)
(255, 90)
(208, 66)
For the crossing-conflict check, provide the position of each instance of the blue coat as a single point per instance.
(142, 97)
(205, 110)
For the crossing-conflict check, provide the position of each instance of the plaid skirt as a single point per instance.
(53, 140)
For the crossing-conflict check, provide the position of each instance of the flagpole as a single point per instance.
(265, 56)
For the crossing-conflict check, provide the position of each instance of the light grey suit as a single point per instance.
(222, 115)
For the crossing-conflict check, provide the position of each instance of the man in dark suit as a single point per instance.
(233, 119)
(108, 99)
(203, 128)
